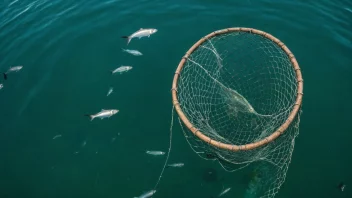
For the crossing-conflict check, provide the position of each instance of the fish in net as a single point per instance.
(238, 94)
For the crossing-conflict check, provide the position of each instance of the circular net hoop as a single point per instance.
(238, 94)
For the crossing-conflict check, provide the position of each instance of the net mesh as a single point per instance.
(238, 88)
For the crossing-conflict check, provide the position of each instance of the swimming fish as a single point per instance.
(110, 91)
(121, 69)
(140, 33)
(84, 143)
(155, 152)
(147, 194)
(176, 165)
(1, 86)
(224, 192)
(341, 186)
(12, 69)
(103, 114)
(57, 136)
(133, 52)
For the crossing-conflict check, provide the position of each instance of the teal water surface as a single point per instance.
(68, 48)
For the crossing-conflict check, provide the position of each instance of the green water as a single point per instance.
(67, 49)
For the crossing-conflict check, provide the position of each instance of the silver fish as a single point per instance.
(110, 91)
(121, 69)
(155, 152)
(133, 52)
(176, 165)
(12, 69)
(224, 192)
(341, 186)
(140, 33)
(57, 136)
(1, 86)
(147, 194)
(103, 114)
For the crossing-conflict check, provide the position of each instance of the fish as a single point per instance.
(121, 69)
(147, 194)
(133, 52)
(1, 86)
(57, 136)
(155, 152)
(140, 33)
(176, 165)
(110, 91)
(224, 192)
(103, 114)
(12, 69)
(341, 186)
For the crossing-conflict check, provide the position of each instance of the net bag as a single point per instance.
(238, 95)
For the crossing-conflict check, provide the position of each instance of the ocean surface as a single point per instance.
(68, 48)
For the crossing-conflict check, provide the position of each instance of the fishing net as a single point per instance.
(238, 94)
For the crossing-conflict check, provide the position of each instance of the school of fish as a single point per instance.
(107, 113)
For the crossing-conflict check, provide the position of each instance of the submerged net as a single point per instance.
(238, 94)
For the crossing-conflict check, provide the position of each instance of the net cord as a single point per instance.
(169, 151)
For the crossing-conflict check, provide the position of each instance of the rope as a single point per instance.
(168, 153)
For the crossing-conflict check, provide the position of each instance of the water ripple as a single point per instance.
(68, 46)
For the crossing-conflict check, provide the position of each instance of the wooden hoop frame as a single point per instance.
(265, 140)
